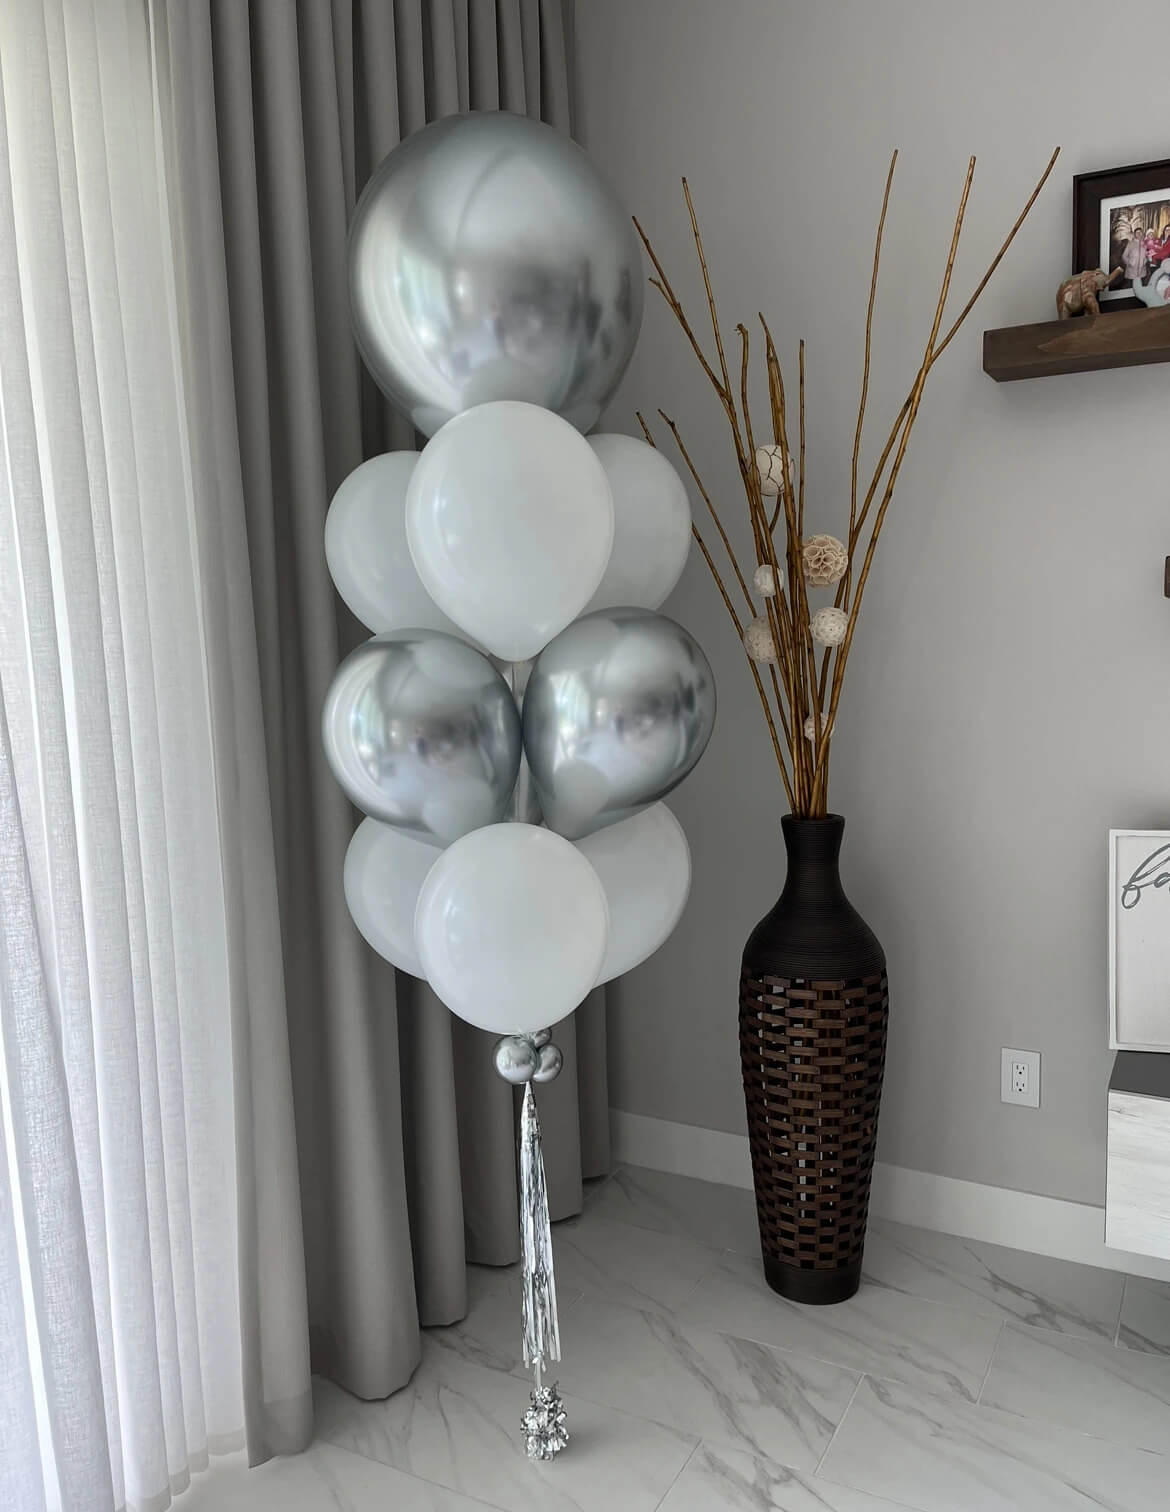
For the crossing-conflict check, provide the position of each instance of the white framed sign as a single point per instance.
(1139, 940)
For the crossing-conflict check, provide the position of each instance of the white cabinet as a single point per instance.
(1137, 1192)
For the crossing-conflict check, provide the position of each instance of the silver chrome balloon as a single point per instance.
(618, 709)
(423, 733)
(488, 259)
(550, 1059)
(516, 1059)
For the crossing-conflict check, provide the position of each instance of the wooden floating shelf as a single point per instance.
(1129, 338)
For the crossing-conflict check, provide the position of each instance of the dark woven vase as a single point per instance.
(812, 1028)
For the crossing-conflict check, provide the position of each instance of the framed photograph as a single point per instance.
(1121, 219)
(1139, 940)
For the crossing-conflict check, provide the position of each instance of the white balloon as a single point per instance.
(365, 546)
(651, 524)
(511, 927)
(384, 872)
(645, 867)
(509, 517)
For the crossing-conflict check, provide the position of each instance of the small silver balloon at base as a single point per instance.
(522, 1059)
(549, 1061)
(516, 1058)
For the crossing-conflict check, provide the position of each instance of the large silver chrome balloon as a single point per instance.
(618, 709)
(488, 259)
(423, 733)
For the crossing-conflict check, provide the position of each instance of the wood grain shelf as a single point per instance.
(1128, 338)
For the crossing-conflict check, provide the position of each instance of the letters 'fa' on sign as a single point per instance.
(1139, 940)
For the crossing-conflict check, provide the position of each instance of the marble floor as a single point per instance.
(962, 1378)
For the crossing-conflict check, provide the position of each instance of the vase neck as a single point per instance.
(814, 853)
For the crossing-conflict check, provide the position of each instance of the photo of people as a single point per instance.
(1135, 237)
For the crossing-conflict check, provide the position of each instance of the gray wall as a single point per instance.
(1009, 694)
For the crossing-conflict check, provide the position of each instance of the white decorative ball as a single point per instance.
(758, 642)
(770, 466)
(810, 727)
(765, 581)
(825, 561)
(828, 626)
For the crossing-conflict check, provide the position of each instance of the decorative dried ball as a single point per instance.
(828, 626)
(770, 465)
(765, 581)
(810, 727)
(758, 642)
(825, 561)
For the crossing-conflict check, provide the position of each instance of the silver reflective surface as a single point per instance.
(516, 1059)
(422, 732)
(550, 1061)
(489, 260)
(618, 709)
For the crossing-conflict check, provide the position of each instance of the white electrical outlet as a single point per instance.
(1019, 1077)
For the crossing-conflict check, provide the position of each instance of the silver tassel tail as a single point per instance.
(544, 1422)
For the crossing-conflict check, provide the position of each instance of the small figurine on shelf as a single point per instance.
(1078, 295)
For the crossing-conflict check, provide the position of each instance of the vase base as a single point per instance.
(815, 1288)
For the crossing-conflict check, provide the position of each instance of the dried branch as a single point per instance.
(711, 308)
(996, 260)
(800, 493)
(706, 498)
(946, 341)
(739, 629)
(873, 286)
(842, 658)
(801, 689)
(664, 287)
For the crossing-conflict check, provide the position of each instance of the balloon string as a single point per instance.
(518, 673)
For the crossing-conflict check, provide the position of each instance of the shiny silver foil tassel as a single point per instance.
(544, 1422)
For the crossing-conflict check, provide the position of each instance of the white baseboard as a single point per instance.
(997, 1215)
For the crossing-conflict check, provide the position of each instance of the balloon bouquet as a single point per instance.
(520, 711)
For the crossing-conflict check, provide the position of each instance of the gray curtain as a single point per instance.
(405, 1136)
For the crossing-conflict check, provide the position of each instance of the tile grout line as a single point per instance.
(678, 1477)
(987, 1373)
(837, 1428)
(398, 1470)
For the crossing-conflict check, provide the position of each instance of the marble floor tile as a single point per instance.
(458, 1424)
(1118, 1394)
(1145, 1316)
(323, 1479)
(878, 1332)
(946, 1456)
(726, 1480)
(490, 1334)
(729, 1391)
(1079, 1300)
(720, 1216)
(635, 1266)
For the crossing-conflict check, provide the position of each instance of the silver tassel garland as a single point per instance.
(544, 1422)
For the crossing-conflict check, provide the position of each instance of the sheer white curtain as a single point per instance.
(152, 1306)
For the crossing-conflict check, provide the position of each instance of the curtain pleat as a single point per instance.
(148, 1185)
(406, 1137)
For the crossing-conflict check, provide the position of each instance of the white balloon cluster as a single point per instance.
(503, 530)
(495, 287)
